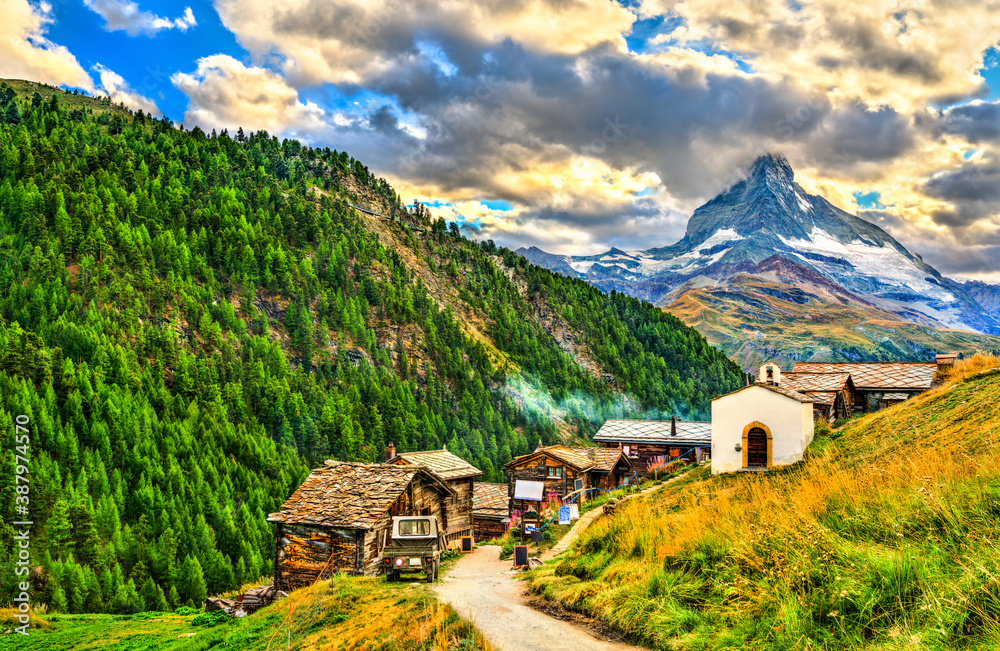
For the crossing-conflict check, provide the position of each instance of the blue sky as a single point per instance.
(575, 125)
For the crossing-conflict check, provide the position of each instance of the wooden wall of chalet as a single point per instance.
(459, 509)
(610, 480)
(419, 498)
(646, 451)
(486, 528)
(538, 470)
(303, 551)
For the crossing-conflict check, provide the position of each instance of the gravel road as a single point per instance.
(482, 588)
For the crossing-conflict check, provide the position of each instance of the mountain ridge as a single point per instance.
(766, 215)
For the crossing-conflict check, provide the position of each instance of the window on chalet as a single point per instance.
(555, 471)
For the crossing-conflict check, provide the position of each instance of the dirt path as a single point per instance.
(482, 588)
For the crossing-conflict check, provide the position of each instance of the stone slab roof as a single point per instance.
(825, 398)
(443, 463)
(657, 432)
(351, 495)
(605, 459)
(808, 382)
(561, 453)
(489, 500)
(878, 375)
(788, 393)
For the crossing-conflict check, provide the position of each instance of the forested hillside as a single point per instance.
(191, 321)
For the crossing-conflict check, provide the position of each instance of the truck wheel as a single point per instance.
(431, 574)
(390, 575)
(436, 567)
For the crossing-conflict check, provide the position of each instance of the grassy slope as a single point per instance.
(757, 327)
(886, 537)
(340, 614)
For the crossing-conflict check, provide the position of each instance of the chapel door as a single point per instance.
(756, 448)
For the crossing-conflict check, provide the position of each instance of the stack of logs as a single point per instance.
(244, 604)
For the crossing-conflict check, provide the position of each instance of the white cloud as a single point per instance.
(126, 16)
(26, 53)
(224, 93)
(357, 40)
(115, 86)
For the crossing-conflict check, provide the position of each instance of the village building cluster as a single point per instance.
(339, 519)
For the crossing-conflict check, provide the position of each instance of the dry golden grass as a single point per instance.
(9, 620)
(357, 613)
(892, 523)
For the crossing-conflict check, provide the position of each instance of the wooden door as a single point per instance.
(756, 448)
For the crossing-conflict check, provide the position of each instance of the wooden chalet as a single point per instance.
(647, 443)
(339, 519)
(489, 510)
(880, 384)
(832, 394)
(458, 473)
(564, 469)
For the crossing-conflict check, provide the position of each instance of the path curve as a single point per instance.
(484, 590)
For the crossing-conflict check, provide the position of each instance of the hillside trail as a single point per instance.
(485, 590)
(588, 518)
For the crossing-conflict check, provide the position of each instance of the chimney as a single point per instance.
(945, 362)
(673, 426)
(390, 451)
(591, 454)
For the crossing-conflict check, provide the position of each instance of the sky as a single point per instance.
(577, 125)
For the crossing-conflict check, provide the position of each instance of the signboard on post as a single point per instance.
(565, 514)
(531, 491)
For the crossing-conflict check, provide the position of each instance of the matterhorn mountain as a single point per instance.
(765, 256)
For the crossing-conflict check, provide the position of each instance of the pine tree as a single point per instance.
(193, 589)
(61, 530)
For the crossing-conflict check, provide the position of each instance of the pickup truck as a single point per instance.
(415, 546)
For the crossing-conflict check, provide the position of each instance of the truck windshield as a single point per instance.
(415, 528)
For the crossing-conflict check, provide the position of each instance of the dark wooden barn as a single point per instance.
(560, 467)
(340, 518)
(648, 443)
(458, 473)
(489, 510)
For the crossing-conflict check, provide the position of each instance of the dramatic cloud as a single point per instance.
(125, 15)
(357, 41)
(587, 131)
(879, 50)
(976, 122)
(26, 53)
(119, 91)
(224, 93)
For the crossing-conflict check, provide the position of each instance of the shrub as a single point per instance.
(213, 618)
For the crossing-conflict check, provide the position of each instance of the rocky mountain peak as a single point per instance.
(771, 168)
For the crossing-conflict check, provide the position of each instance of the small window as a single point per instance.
(415, 528)
(555, 471)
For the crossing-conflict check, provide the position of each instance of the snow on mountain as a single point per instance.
(768, 214)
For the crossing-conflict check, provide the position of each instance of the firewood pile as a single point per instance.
(244, 604)
(258, 597)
